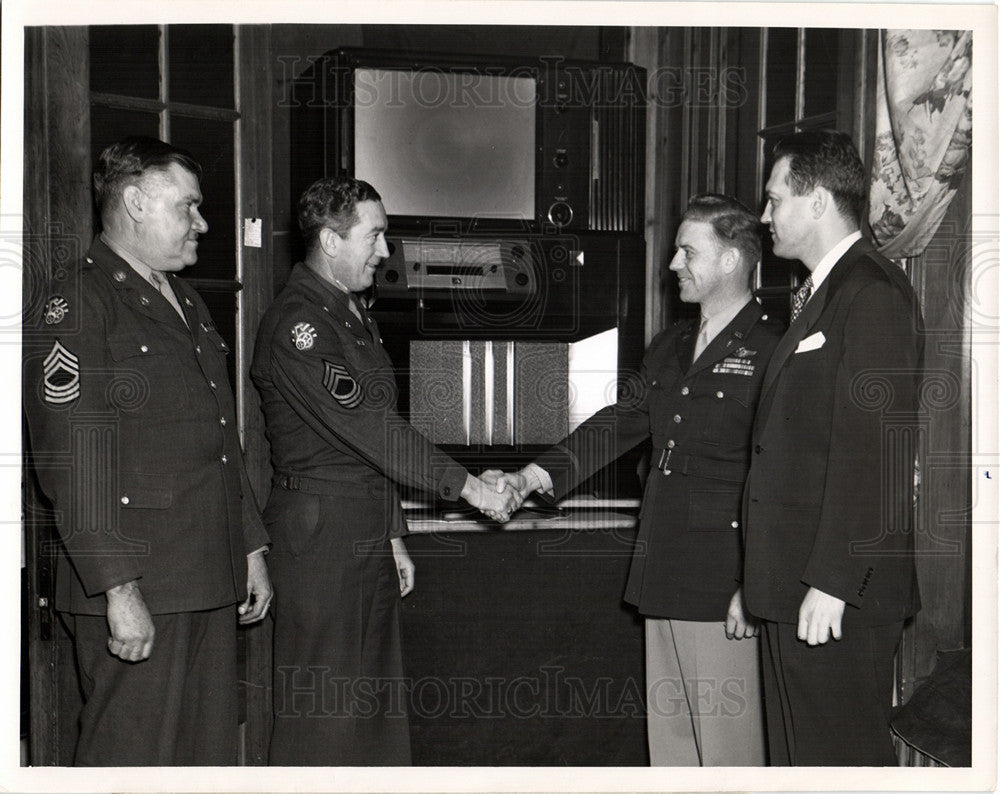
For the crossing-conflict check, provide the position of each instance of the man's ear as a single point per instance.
(329, 240)
(134, 201)
(730, 259)
(821, 201)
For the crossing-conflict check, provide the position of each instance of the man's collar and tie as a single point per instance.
(159, 280)
(819, 273)
(712, 325)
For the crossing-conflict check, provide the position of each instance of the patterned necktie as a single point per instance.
(801, 296)
(161, 283)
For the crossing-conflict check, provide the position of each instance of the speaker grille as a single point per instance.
(618, 147)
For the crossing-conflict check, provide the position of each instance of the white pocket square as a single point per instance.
(814, 342)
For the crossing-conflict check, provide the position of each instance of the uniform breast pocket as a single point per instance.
(147, 378)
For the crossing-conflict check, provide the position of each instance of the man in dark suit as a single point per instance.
(700, 382)
(134, 439)
(829, 547)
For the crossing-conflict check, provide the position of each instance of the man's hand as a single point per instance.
(819, 617)
(508, 481)
(494, 504)
(739, 624)
(130, 623)
(405, 568)
(259, 590)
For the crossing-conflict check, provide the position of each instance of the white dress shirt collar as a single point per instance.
(831, 258)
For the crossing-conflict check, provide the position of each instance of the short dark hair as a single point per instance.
(734, 225)
(825, 158)
(332, 202)
(125, 163)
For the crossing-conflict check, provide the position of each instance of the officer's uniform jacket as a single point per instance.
(687, 559)
(829, 494)
(329, 395)
(134, 438)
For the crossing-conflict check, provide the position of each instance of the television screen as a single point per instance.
(446, 144)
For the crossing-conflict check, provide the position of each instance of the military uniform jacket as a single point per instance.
(134, 439)
(829, 494)
(687, 559)
(329, 394)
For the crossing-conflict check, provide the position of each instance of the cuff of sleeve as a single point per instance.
(538, 479)
(452, 482)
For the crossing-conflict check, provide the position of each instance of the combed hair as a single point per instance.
(129, 160)
(332, 202)
(825, 158)
(734, 225)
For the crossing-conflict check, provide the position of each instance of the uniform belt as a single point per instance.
(315, 485)
(670, 462)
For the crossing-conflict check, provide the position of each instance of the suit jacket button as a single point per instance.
(125, 500)
(144, 300)
(677, 418)
(758, 449)
(736, 525)
(720, 394)
(143, 348)
(446, 491)
(685, 391)
(671, 444)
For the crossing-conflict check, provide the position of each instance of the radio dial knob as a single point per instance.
(561, 213)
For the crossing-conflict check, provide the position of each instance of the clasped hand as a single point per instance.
(497, 503)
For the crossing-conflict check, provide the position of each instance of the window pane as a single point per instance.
(822, 69)
(108, 125)
(211, 143)
(781, 70)
(201, 65)
(124, 59)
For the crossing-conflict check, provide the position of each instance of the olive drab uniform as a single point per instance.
(133, 435)
(699, 415)
(329, 397)
(687, 560)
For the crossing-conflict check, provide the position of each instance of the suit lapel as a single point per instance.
(799, 329)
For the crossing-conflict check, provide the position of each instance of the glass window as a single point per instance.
(201, 65)
(124, 59)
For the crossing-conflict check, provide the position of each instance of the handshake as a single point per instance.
(498, 494)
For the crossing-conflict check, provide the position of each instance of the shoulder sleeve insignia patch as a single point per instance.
(56, 310)
(303, 336)
(61, 375)
(341, 385)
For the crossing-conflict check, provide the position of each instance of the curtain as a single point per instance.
(923, 135)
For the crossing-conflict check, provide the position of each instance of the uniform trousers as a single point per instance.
(828, 705)
(339, 693)
(703, 699)
(176, 708)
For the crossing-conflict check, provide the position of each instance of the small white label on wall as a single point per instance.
(252, 232)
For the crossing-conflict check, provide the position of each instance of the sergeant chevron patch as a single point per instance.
(341, 385)
(62, 375)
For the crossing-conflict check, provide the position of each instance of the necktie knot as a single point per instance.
(801, 296)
